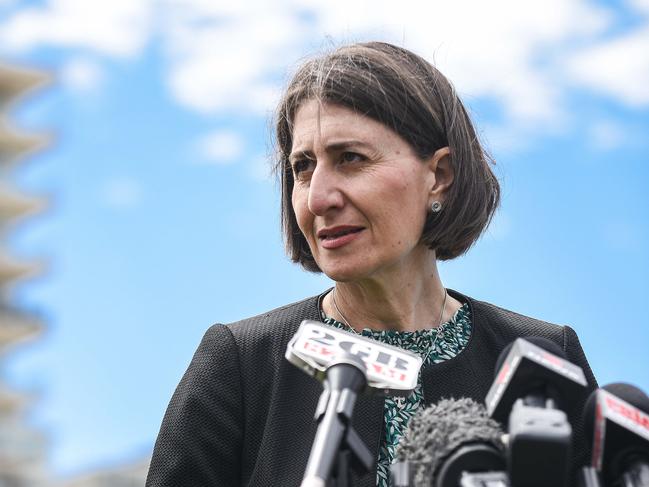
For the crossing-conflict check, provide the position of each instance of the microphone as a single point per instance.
(345, 378)
(616, 419)
(389, 369)
(533, 383)
(348, 364)
(449, 444)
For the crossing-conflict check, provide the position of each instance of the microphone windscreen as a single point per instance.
(437, 431)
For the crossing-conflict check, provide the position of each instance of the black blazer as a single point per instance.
(242, 415)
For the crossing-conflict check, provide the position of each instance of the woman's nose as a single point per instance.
(324, 191)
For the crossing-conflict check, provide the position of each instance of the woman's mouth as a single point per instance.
(335, 237)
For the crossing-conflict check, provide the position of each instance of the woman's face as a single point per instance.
(361, 194)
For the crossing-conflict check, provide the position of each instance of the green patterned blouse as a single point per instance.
(398, 411)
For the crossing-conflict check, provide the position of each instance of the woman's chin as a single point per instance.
(346, 272)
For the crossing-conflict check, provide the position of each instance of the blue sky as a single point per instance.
(163, 218)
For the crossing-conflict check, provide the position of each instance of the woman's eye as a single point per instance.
(301, 166)
(351, 157)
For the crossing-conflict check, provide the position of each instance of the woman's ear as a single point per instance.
(442, 170)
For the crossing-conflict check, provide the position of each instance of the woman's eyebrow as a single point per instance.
(300, 154)
(346, 144)
(331, 147)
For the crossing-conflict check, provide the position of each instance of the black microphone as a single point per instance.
(616, 419)
(534, 383)
(452, 443)
(345, 379)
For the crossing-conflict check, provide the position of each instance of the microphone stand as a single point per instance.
(588, 477)
(637, 474)
(337, 446)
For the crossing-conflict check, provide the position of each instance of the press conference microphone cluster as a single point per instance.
(615, 417)
(533, 383)
(446, 444)
(459, 443)
(348, 365)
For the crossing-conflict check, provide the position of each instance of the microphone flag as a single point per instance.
(525, 365)
(621, 431)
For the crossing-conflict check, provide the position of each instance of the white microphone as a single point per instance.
(348, 364)
(389, 369)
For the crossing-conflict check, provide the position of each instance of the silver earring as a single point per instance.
(436, 207)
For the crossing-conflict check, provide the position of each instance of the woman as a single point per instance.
(382, 175)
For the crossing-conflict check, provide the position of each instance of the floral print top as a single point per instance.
(397, 411)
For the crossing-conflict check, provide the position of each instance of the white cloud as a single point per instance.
(225, 56)
(486, 48)
(122, 193)
(82, 74)
(221, 146)
(641, 6)
(116, 28)
(618, 68)
(233, 56)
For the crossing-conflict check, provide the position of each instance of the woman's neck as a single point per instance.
(411, 301)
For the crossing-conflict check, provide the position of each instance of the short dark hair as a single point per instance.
(410, 96)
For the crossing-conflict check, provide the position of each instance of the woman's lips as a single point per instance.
(339, 236)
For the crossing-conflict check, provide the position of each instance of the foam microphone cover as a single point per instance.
(436, 432)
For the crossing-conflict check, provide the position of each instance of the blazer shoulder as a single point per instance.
(505, 326)
(268, 330)
(304, 309)
(511, 325)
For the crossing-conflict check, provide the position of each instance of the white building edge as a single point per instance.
(23, 449)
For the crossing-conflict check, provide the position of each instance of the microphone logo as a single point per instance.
(627, 411)
(388, 368)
